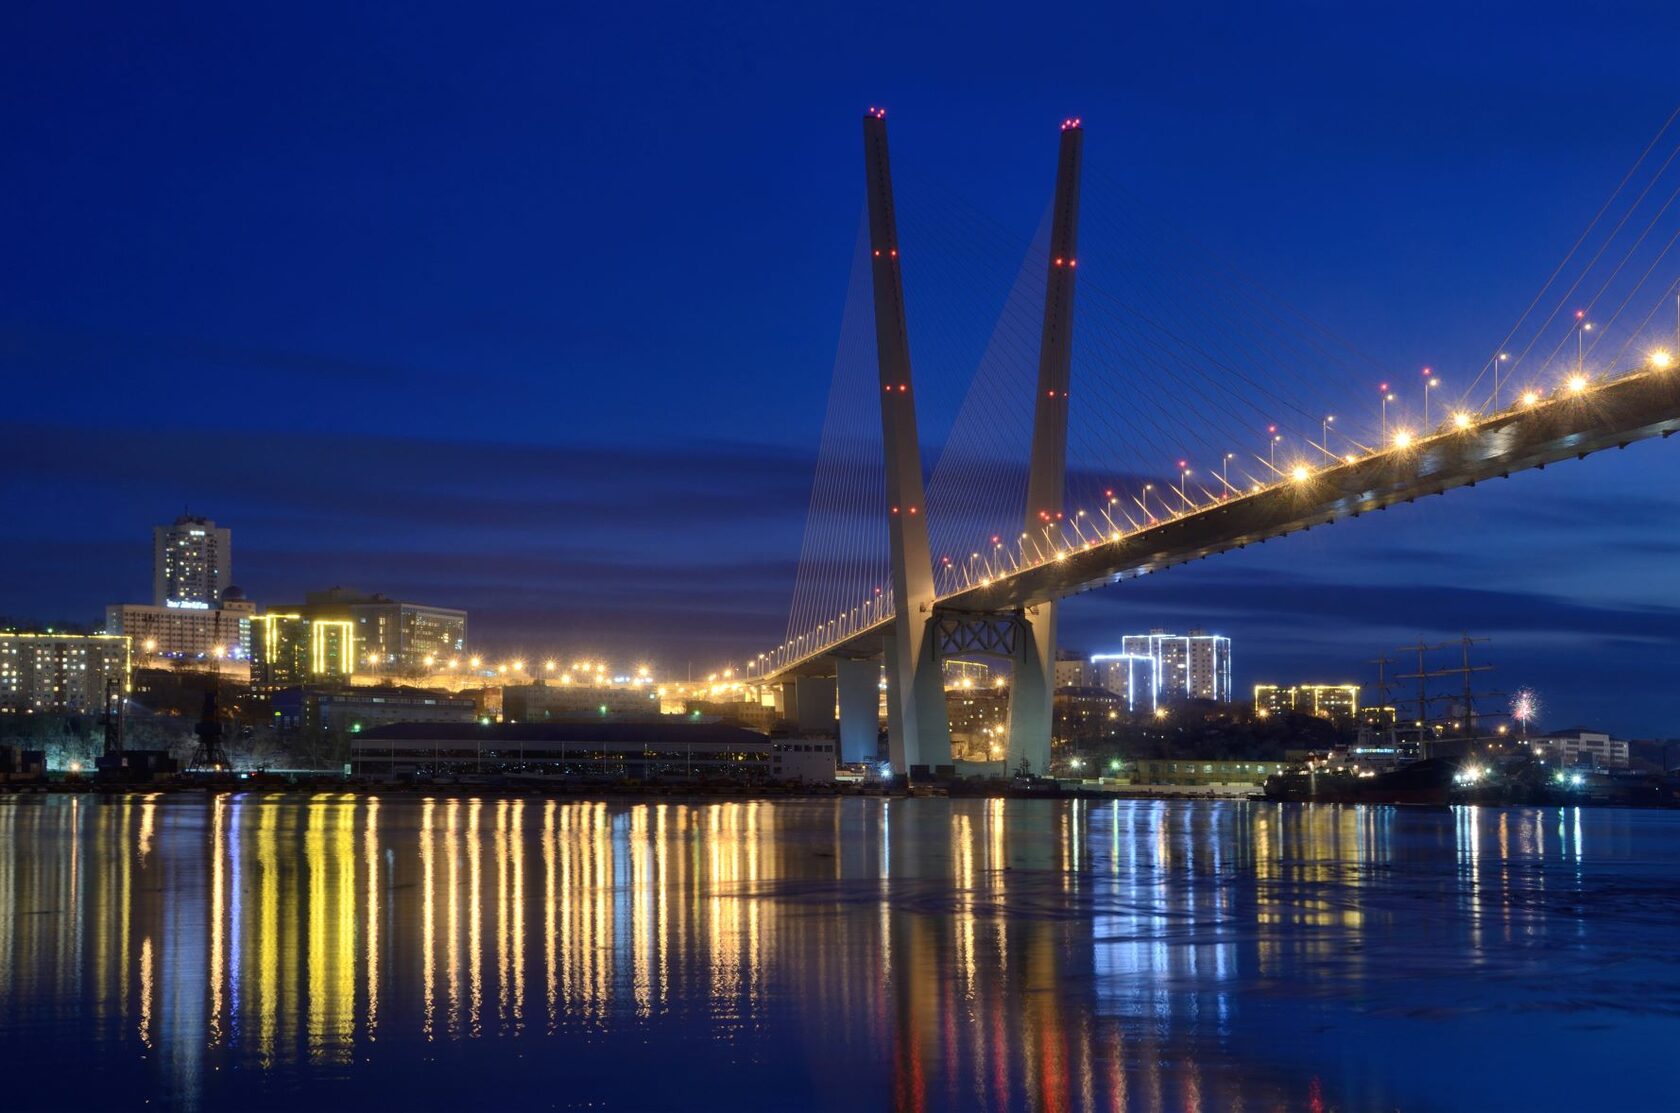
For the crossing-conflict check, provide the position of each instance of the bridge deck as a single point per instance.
(1611, 414)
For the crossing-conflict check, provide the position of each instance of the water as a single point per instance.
(277, 951)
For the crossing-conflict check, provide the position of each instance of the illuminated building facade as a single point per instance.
(408, 637)
(186, 634)
(1131, 676)
(292, 649)
(1582, 748)
(60, 673)
(192, 563)
(1327, 701)
(1193, 666)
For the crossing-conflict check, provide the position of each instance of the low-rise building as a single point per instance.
(349, 710)
(1191, 771)
(803, 760)
(61, 673)
(1581, 748)
(540, 702)
(600, 750)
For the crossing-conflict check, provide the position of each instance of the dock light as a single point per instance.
(1461, 420)
(1402, 439)
(1300, 473)
(1576, 780)
(1577, 384)
(1661, 360)
(476, 661)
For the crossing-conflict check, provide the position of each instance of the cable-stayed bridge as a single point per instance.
(980, 569)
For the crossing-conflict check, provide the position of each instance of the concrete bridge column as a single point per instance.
(1032, 692)
(859, 682)
(814, 696)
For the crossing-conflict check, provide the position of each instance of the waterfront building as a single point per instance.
(186, 633)
(1181, 771)
(584, 750)
(338, 710)
(289, 648)
(1585, 748)
(1131, 676)
(803, 760)
(61, 673)
(392, 634)
(1193, 666)
(1327, 701)
(541, 702)
(192, 563)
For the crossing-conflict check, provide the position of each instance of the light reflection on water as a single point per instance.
(269, 950)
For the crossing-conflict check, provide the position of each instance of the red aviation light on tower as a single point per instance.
(878, 113)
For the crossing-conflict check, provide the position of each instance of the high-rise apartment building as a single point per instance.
(1193, 666)
(291, 649)
(192, 562)
(60, 673)
(1131, 676)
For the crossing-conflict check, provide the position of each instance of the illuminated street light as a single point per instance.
(1661, 360)
(1461, 420)
(1577, 383)
(1300, 473)
(1583, 327)
(1430, 382)
(1530, 397)
(1387, 397)
(1402, 439)
(1494, 364)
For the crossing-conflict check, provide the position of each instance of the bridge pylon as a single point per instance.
(918, 731)
(1031, 696)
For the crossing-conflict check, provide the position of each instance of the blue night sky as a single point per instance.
(533, 310)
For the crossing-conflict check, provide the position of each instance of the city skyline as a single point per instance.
(500, 503)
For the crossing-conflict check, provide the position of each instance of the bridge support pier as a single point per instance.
(814, 704)
(859, 682)
(1032, 691)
